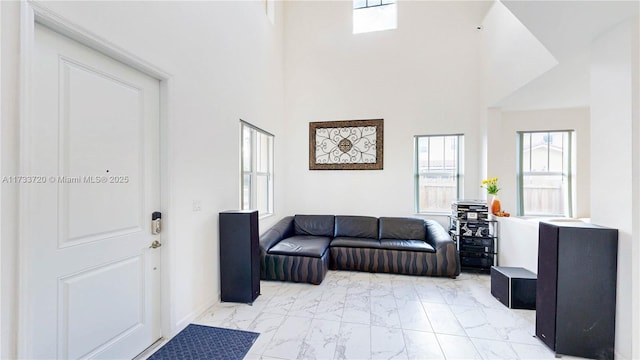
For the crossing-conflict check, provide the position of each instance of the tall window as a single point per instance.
(545, 173)
(438, 172)
(374, 15)
(257, 169)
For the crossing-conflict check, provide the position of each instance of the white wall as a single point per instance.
(518, 243)
(422, 78)
(225, 59)
(615, 100)
(564, 86)
(502, 150)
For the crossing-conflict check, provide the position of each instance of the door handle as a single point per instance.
(154, 245)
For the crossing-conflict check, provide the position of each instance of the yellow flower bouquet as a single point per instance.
(491, 185)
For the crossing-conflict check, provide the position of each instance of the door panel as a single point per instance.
(110, 115)
(87, 298)
(92, 282)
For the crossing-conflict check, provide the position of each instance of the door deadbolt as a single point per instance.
(156, 220)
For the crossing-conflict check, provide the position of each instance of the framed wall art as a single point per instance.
(346, 145)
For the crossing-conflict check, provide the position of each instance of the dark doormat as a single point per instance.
(206, 342)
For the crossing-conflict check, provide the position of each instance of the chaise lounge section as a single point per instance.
(302, 248)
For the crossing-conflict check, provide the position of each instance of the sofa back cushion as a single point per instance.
(281, 230)
(402, 228)
(316, 225)
(357, 227)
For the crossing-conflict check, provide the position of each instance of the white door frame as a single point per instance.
(32, 13)
(2, 290)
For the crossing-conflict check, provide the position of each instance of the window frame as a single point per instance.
(459, 170)
(253, 172)
(269, 10)
(368, 12)
(567, 172)
(382, 3)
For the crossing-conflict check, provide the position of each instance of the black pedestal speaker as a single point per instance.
(239, 256)
(576, 294)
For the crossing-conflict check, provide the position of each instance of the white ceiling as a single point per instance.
(566, 29)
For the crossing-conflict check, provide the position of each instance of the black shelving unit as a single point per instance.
(475, 235)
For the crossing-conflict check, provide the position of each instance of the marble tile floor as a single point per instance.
(357, 315)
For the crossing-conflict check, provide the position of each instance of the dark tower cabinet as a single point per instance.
(576, 290)
(239, 256)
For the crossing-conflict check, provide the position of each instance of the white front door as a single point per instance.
(92, 280)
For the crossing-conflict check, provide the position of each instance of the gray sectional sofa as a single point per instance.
(302, 248)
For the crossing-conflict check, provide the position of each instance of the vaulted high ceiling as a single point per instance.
(566, 29)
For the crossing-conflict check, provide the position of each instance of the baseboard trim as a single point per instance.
(185, 321)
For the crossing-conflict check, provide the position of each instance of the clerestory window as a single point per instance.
(374, 15)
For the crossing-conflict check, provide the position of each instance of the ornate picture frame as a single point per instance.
(346, 145)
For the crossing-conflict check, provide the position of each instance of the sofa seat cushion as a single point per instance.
(302, 245)
(406, 245)
(344, 241)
